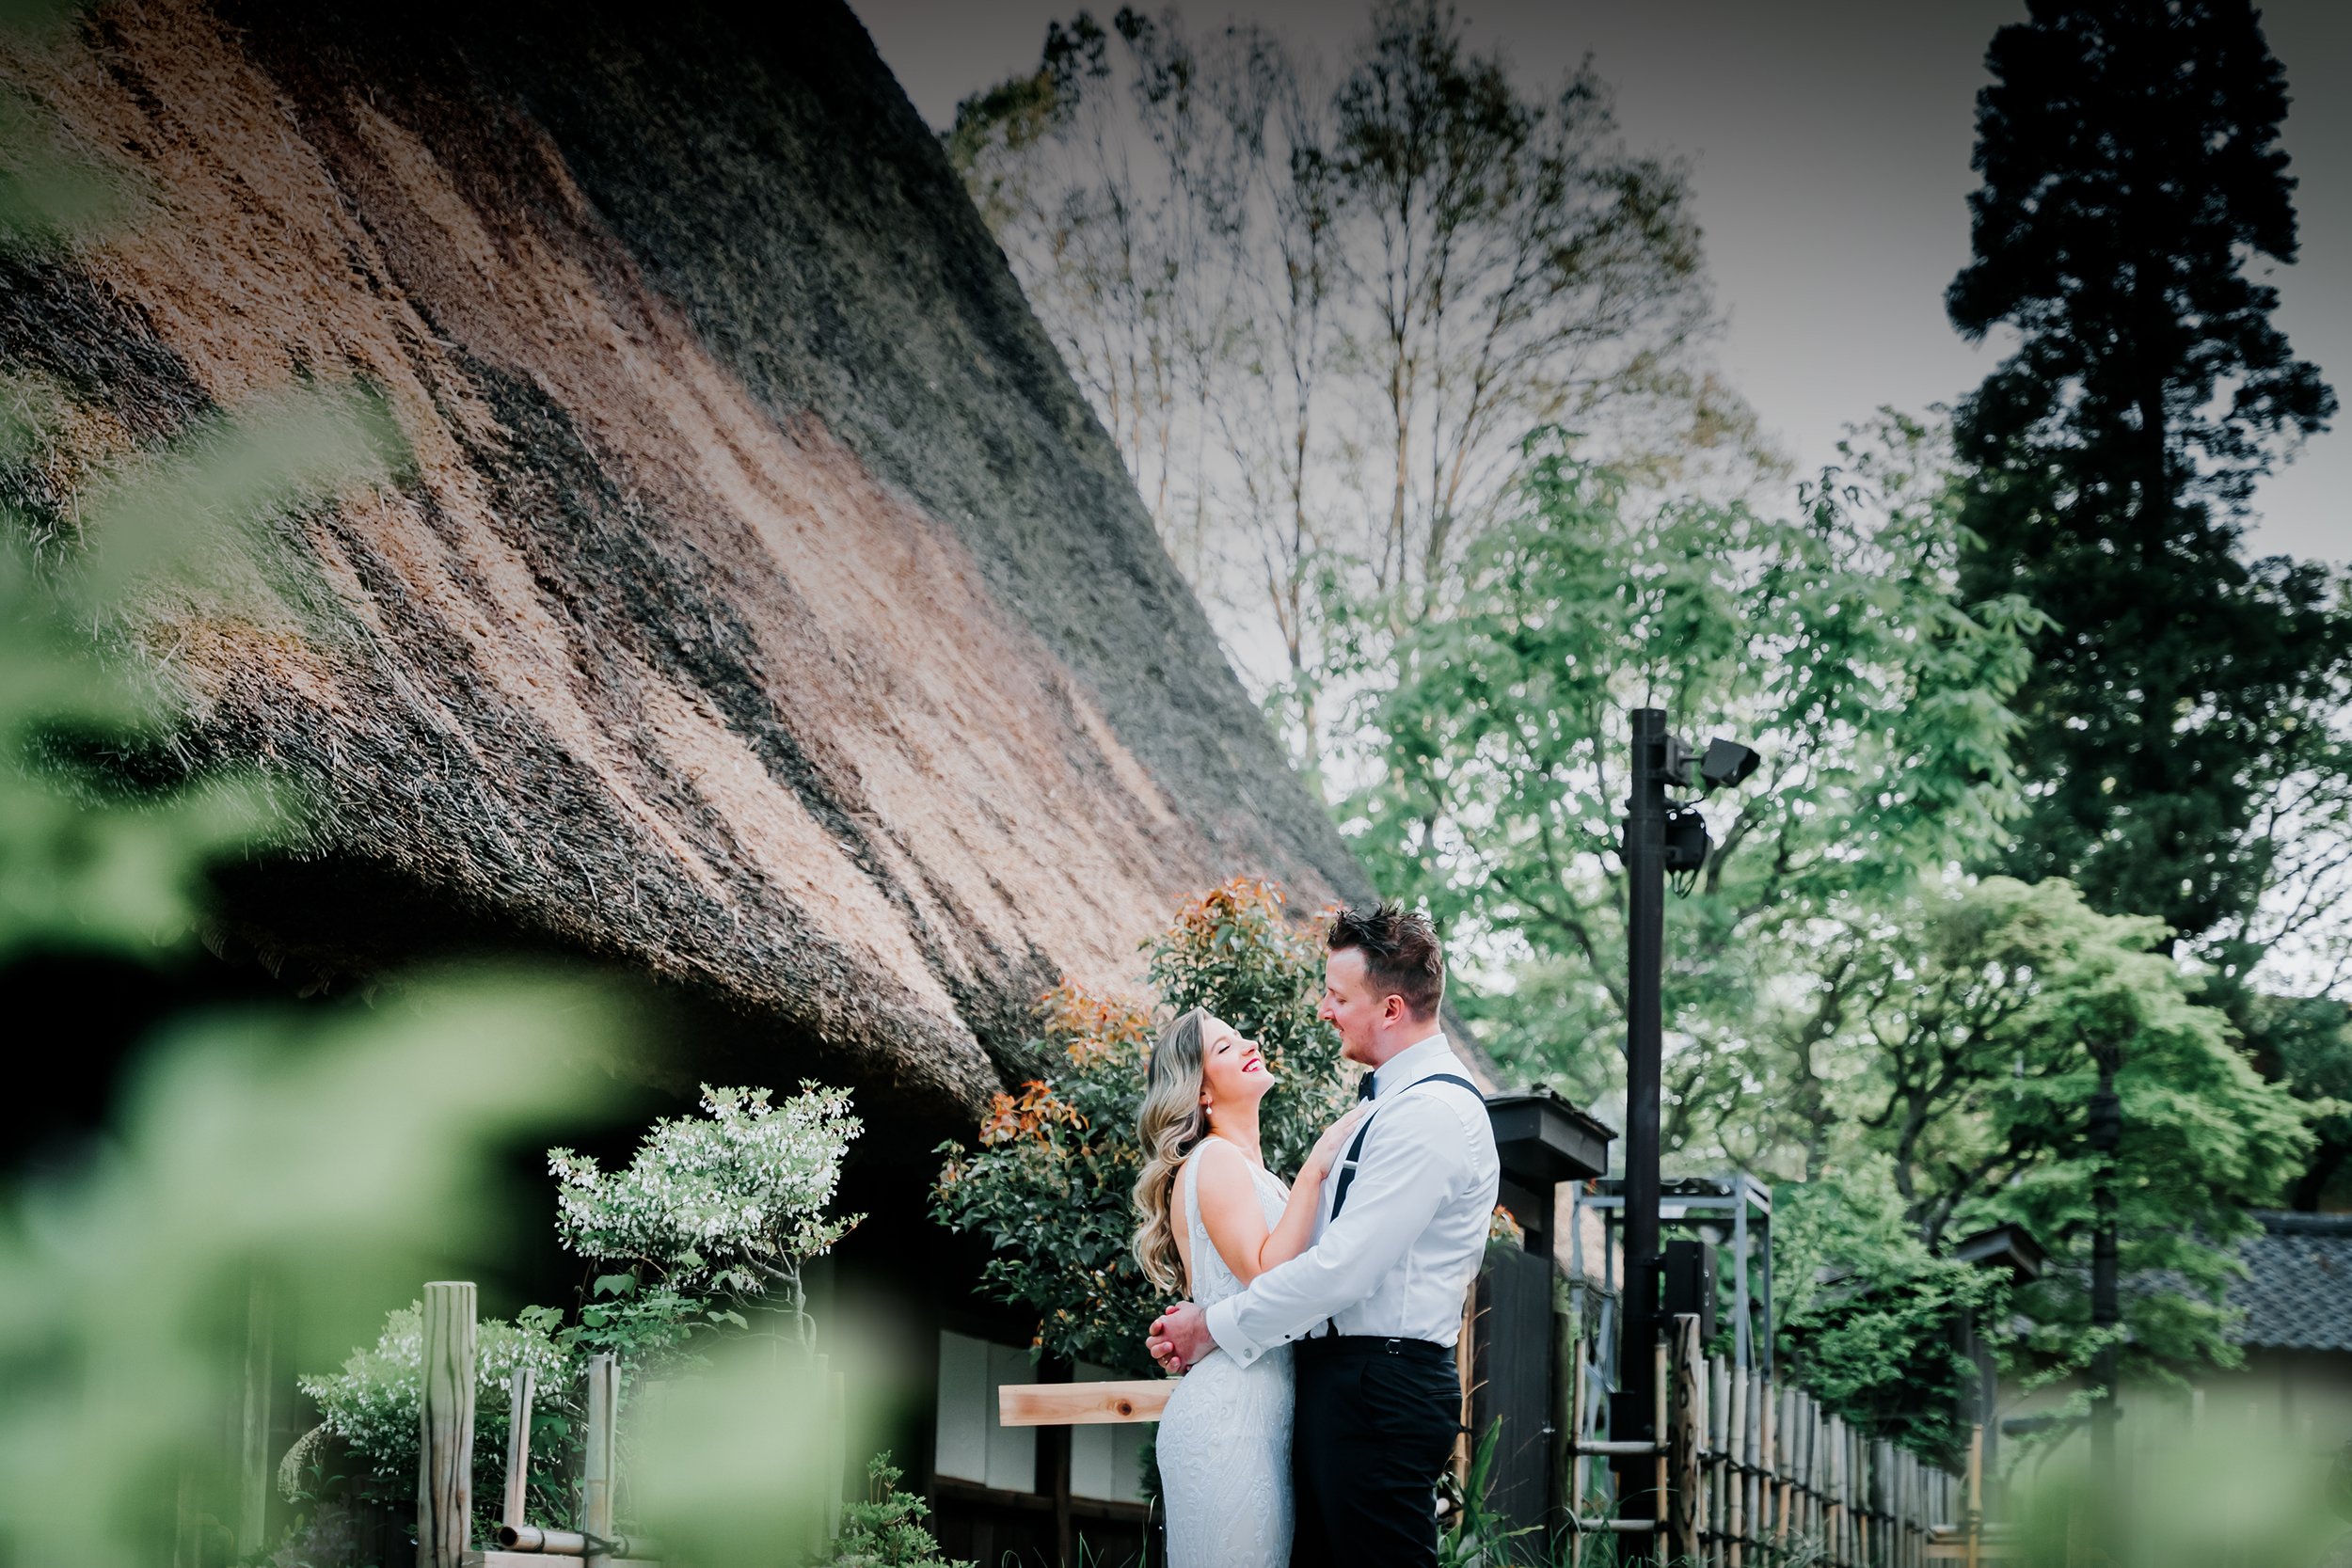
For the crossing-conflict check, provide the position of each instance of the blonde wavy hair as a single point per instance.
(1168, 1127)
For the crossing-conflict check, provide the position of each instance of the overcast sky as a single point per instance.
(1829, 144)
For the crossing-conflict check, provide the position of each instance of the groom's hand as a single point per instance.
(1180, 1337)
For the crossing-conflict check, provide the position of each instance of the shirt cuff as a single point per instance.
(1225, 1329)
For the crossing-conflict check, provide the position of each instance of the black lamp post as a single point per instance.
(1661, 836)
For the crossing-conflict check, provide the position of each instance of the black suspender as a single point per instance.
(1355, 1148)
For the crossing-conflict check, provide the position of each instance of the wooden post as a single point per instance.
(1684, 1439)
(1791, 1470)
(1717, 1458)
(1736, 1478)
(1834, 1483)
(1572, 1357)
(1661, 1390)
(1899, 1505)
(445, 1461)
(1057, 1456)
(518, 1398)
(253, 1466)
(595, 1465)
(1815, 1499)
(1818, 1438)
(1974, 1522)
(1906, 1513)
(1761, 1401)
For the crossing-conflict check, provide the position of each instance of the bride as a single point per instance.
(1213, 1219)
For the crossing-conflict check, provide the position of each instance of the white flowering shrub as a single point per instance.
(720, 1209)
(715, 1215)
(372, 1407)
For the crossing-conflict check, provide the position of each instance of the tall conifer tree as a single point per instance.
(2134, 196)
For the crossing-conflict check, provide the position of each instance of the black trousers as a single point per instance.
(1375, 1428)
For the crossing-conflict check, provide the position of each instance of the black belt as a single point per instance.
(1373, 1344)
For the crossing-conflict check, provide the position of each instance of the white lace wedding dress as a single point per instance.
(1225, 1439)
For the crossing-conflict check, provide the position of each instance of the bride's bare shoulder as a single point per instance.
(1222, 1166)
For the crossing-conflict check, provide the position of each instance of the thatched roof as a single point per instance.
(765, 609)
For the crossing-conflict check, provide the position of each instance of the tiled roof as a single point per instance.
(2298, 1293)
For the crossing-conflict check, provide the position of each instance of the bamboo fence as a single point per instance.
(1752, 1474)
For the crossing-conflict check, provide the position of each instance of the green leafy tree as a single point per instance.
(1051, 1181)
(712, 1214)
(1835, 641)
(1864, 1310)
(1839, 1000)
(1973, 1023)
(2132, 181)
(2306, 1044)
(1976, 1040)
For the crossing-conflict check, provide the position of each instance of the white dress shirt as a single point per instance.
(1398, 1260)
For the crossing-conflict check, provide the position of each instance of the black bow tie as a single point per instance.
(1367, 1087)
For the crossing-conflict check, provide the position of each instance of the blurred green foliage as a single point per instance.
(733, 1468)
(2210, 1494)
(338, 1158)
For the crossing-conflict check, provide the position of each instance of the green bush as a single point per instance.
(886, 1530)
(372, 1405)
(1867, 1310)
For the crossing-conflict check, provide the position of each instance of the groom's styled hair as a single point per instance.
(1400, 949)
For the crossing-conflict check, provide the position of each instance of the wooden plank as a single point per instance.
(1045, 1404)
(445, 1418)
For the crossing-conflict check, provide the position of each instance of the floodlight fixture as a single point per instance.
(1687, 844)
(1727, 763)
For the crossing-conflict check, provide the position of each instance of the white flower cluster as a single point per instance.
(734, 1199)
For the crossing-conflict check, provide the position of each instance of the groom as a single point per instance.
(1375, 1307)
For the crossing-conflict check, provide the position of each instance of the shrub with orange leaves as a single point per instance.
(1050, 1179)
(1237, 950)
